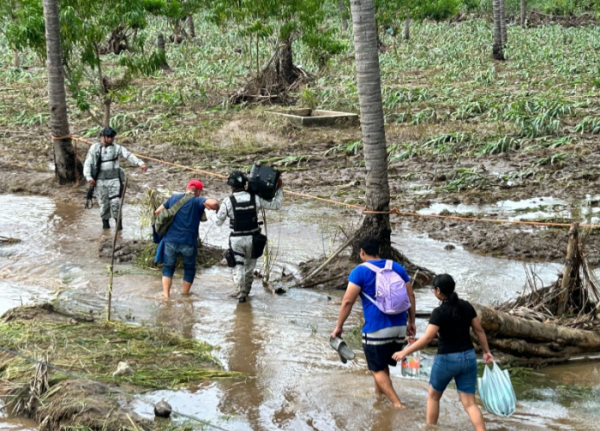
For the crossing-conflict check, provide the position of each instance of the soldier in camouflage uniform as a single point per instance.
(102, 171)
(242, 209)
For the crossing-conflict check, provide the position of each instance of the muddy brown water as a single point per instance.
(295, 381)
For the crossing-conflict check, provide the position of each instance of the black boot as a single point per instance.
(242, 300)
(119, 224)
(105, 224)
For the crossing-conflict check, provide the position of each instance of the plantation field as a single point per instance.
(464, 132)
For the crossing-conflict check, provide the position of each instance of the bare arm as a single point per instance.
(211, 204)
(347, 302)
(159, 209)
(420, 344)
(480, 334)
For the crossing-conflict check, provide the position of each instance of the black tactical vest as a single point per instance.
(245, 216)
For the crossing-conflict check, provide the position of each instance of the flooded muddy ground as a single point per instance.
(328, 162)
(295, 381)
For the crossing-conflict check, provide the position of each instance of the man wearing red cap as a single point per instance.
(182, 236)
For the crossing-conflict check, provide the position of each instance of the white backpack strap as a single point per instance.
(372, 267)
(368, 297)
(389, 264)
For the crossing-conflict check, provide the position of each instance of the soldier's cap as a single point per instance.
(196, 184)
(108, 132)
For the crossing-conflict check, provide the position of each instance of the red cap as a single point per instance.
(197, 184)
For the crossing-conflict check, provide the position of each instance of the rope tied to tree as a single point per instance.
(394, 211)
(76, 159)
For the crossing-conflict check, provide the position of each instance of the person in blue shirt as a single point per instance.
(182, 236)
(382, 334)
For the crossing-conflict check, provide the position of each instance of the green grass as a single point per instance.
(444, 98)
(160, 359)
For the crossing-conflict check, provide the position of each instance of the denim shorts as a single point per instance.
(462, 367)
(188, 256)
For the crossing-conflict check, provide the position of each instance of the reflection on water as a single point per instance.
(295, 381)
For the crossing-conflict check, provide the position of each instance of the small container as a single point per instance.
(412, 363)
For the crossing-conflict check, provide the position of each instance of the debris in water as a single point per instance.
(162, 409)
(9, 240)
(122, 369)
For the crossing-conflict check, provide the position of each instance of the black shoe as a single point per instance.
(105, 224)
(242, 300)
(120, 224)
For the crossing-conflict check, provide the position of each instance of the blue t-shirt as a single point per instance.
(376, 319)
(184, 229)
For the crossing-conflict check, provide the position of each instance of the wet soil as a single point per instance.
(315, 162)
(280, 341)
(102, 399)
(70, 402)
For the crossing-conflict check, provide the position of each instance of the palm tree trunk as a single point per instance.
(503, 22)
(523, 12)
(498, 46)
(64, 156)
(16, 60)
(406, 34)
(371, 110)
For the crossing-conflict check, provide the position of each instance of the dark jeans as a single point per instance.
(188, 255)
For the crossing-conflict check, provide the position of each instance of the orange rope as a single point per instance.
(395, 211)
(62, 137)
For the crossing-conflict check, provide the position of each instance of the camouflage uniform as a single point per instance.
(243, 272)
(109, 176)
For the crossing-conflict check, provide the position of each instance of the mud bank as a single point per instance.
(317, 162)
(158, 359)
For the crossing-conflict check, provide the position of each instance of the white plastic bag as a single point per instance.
(496, 391)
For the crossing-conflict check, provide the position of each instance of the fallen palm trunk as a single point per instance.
(529, 338)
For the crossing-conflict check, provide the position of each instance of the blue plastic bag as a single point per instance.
(496, 391)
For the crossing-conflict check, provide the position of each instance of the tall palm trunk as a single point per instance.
(503, 22)
(373, 130)
(406, 34)
(16, 60)
(498, 46)
(523, 12)
(64, 157)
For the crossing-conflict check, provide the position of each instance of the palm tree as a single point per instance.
(406, 34)
(498, 46)
(373, 130)
(523, 12)
(64, 156)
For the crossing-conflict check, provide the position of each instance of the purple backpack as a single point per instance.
(391, 296)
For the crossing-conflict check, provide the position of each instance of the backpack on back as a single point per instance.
(166, 216)
(391, 296)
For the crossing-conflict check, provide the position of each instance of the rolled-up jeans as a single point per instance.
(188, 255)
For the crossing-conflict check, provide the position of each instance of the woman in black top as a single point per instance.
(452, 320)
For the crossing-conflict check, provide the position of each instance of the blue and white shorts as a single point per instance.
(379, 346)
